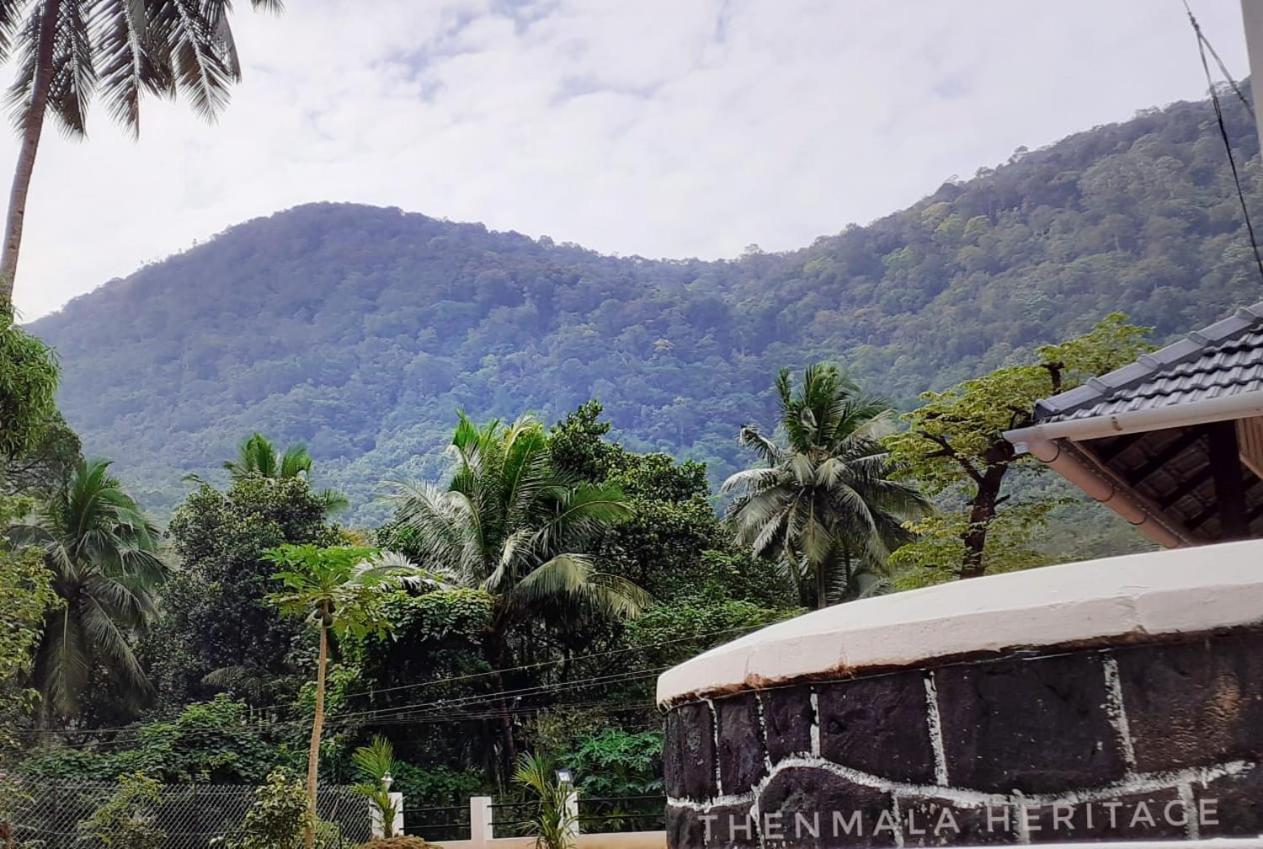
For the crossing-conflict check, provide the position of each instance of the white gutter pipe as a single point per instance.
(1102, 486)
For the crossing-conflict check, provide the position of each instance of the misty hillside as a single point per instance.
(361, 330)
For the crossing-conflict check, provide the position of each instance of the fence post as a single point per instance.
(396, 800)
(572, 809)
(376, 823)
(481, 829)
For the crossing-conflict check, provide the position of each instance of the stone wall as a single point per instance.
(1144, 741)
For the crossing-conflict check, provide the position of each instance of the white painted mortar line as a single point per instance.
(935, 724)
(767, 755)
(1143, 783)
(1022, 826)
(894, 807)
(815, 723)
(1192, 828)
(1116, 710)
(714, 732)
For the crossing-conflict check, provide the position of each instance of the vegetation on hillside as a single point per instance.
(359, 331)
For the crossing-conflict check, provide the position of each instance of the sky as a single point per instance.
(664, 128)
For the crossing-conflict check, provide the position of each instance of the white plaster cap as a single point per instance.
(1183, 590)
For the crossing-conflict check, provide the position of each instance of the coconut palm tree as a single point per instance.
(337, 589)
(510, 523)
(104, 558)
(69, 50)
(824, 505)
(256, 455)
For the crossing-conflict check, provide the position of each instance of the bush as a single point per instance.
(279, 816)
(398, 843)
(128, 820)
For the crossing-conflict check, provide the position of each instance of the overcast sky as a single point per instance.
(675, 128)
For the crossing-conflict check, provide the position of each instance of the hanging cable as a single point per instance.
(1203, 44)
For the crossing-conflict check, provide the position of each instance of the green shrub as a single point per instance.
(279, 816)
(129, 820)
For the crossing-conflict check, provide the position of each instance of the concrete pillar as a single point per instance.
(375, 817)
(481, 830)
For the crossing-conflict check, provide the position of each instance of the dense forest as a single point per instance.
(361, 331)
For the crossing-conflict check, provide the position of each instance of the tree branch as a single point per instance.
(946, 450)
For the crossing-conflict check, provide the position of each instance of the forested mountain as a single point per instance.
(361, 330)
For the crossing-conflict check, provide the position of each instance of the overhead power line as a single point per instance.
(1203, 44)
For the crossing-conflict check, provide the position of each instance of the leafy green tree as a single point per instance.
(67, 50)
(208, 742)
(26, 597)
(511, 523)
(336, 589)
(28, 379)
(218, 631)
(824, 506)
(955, 447)
(129, 819)
(104, 557)
(46, 464)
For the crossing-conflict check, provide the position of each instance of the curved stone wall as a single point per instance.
(1141, 734)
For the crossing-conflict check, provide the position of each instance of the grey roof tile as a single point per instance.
(1223, 359)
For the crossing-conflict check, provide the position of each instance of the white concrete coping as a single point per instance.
(1095, 602)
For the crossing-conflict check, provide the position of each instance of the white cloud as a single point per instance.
(660, 128)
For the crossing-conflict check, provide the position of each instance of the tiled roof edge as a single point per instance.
(1192, 345)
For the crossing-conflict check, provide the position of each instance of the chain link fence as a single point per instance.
(194, 816)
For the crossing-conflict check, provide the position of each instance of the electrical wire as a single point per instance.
(1203, 44)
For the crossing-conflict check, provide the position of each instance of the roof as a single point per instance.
(1145, 596)
(1221, 360)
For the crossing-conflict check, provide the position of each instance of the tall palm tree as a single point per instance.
(256, 455)
(510, 523)
(336, 589)
(68, 50)
(823, 505)
(103, 554)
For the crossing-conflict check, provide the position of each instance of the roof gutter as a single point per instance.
(1105, 488)
(1242, 405)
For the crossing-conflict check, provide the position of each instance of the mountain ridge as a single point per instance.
(360, 330)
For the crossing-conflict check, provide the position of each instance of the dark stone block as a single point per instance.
(689, 752)
(1231, 806)
(1038, 726)
(1195, 704)
(878, 725)
(1141, 816)
(804, 799)
(931, 821)
(741, 762)
(672, 777)
(684, 829)
(787, 720)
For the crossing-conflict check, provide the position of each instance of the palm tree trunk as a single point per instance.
(822, 586)
(317, 728)
(32, 127)
(498, 652)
